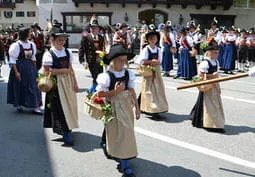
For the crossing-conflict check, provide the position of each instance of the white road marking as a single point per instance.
(196, 148)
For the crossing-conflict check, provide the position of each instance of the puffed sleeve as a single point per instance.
(203, 67)
(47, 59)
(172, 40)
(143, 56)
(190, 41)
(14, 52)
(71, 56)
(131, 82)
(103, 82)
(252, 72)
(160, 56)
(34, 51)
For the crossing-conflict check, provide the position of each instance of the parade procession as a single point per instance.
(156, 98)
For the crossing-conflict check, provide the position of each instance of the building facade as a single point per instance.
(15, 12)
(75, 14)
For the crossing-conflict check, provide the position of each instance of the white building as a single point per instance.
(74, 14)
(15, 12)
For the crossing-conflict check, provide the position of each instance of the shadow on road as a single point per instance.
(236, 130)
(146, 168)
(23, 147)
(85, 142)
(170, 117)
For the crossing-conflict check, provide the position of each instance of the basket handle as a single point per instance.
(49, 75)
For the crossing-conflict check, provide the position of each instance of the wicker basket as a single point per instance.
(144, 71)
(205, 88)
(93, 110)
(45, 84)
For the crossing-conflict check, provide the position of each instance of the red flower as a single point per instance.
(98, 100)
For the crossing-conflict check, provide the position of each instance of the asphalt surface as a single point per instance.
(169, 147)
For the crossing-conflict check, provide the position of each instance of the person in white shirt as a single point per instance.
(22, 85)
(61, 112)
(117, 87)
(152, 99)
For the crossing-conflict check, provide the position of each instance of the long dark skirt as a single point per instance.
(187, 66)
(229, 57)
(197, 111)
(24, 92)
(54, 116)
(167, 60)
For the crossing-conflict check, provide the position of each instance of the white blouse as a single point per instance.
(47, 59)
(204, 66)
(145, 54)
(103, 79)
(14, 50)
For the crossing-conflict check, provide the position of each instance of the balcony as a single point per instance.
(244, 4)
(7, 4)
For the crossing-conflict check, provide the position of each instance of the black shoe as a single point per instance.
(37, 112)
(68, 141)
(166, 75)
(175, 77)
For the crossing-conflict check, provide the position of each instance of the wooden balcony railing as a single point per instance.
(7, 4)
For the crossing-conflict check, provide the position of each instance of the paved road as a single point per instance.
(167, 148)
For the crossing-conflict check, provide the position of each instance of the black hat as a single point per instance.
(115, 51)
(152, 32)
(212, 45)
(57, 31)
(252, 31)
(243, 31)
(36, 25)
(215, 21)
(94, 23)
(123, 25)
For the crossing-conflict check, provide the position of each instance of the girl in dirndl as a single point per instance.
(61, 111)
(22, 85)
(117, 86)
(152, 99)
(208, 110)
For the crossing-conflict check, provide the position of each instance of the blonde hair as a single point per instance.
(112, 64)
(207, 54)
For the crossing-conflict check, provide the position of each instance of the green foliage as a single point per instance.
(107, 110)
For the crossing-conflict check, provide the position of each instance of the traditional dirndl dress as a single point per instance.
(24, 92)
(153, 98)
(167, 59)
(220, 55)
(229, 57)
(187, 69)
(120, 136)
(208, 110)
(61, 105)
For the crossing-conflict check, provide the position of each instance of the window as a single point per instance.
(31, 13)
(52, 1)
(8, 14)
(76, 22)
(20, 14)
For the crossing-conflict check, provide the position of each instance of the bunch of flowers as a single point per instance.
(197, 78)
(205, 43)
(101, 55)
(106, 109)
(152, 68)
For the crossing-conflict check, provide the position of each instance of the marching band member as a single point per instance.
(208, 110)
(242, 50)
(251, 47)
(61, 112)
(222, 44)
(152, 99)
(88, 47)
(122, 36)
(117, 86)
(38, 38)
